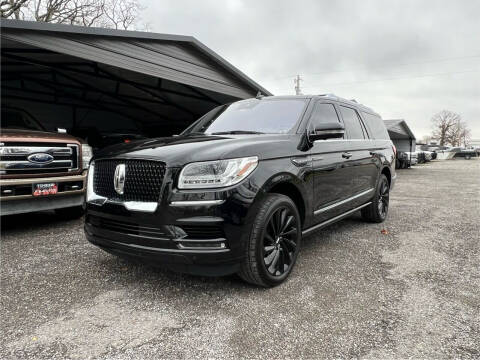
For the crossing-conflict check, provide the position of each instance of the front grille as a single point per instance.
(143, 180)
(19, 158)
(203, 231)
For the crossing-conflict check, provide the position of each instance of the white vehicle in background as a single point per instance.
(412, 157)
(445, 154)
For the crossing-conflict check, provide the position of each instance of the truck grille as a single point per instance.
(40, 158)
(143, 180)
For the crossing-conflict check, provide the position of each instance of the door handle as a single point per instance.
(346, 155)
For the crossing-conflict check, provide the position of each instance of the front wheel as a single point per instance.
(274, 242)
(377, 211)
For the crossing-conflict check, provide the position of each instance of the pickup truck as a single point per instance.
(40, 170)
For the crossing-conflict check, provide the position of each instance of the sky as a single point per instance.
(404, 59)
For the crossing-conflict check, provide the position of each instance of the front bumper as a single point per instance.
(202, 233)
(16, 194)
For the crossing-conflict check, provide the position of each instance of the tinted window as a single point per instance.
(375, 125)
(352, 123)
(323, 113)
(264, 116)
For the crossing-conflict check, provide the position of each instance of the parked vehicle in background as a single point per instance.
(402, 161)
(421, 158)
(40, 170)
(237, 190)
(466, 154)
(412, 157)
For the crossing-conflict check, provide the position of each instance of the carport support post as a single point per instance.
(410, 154)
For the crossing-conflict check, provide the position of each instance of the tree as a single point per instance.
(117, 14)
(449, 128)
(443, 122)
(11, 8)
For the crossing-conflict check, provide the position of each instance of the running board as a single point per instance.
(332, 220)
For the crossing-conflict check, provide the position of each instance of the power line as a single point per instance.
(399, 78)
(382, 66)
(394, 78)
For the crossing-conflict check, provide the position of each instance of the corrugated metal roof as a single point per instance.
(176, 58)
(399, 127)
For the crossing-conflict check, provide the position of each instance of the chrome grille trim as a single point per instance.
(27, 165)
(14, 158)
(27, 150)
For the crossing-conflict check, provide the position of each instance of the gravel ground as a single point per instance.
(412, 291)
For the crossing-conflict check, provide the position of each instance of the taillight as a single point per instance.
(394, 150)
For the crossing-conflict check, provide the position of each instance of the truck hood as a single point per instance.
(180, 150)
(17, 135)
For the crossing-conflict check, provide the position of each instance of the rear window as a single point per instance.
(375, 125)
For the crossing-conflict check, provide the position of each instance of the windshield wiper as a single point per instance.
(235, 132)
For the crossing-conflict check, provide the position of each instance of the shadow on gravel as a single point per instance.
(32, 221)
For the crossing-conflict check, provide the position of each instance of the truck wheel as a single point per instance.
(468, 157)
(377, 211)
(274, 242)
(70, 213)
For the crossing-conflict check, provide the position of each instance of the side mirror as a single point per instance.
(333, 130)
(61, 130)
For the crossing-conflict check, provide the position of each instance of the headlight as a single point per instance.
(215, 174)
(87, 154)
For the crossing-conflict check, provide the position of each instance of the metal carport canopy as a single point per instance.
(140, 75)
(399, 129)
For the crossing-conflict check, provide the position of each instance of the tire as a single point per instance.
(270, 258)
(377, 211)
(468, 157)
(70, 213)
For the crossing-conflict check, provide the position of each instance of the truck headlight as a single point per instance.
(87, 154)
(216, 174)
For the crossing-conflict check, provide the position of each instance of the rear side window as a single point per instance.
(375, 125)
(352, 123)
(323, 113)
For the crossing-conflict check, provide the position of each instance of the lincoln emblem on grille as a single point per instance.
(119, 178)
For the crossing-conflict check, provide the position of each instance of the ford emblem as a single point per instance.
(40, 158)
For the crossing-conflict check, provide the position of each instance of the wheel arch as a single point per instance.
(288, 185)
(386, 171)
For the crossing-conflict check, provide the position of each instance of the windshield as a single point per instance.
(252, 116)
(15, 119)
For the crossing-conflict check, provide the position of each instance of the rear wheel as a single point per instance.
(274, 242)
(70, 213)
(377, 211)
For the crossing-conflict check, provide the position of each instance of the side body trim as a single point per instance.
(329, 207)
(332, 220)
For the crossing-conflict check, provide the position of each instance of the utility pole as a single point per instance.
(296, 81)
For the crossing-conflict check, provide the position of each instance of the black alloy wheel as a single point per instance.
(274, 242)
(383, 198)
(279, 241)
(377, 211)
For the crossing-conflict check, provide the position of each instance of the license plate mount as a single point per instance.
(44, 189)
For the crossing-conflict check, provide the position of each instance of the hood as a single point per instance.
(181, 150)
(18, 135)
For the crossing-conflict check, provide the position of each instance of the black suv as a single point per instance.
(237, 190)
